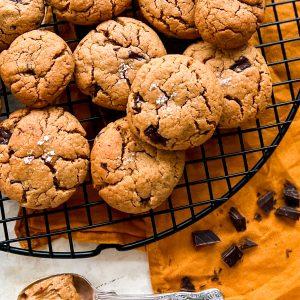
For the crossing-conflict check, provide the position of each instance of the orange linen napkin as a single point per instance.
(265, 272)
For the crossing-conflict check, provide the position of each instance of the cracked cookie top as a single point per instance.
(44, 156)
(17, 17)
(244, 78)
(88, 12)
(175, 103)
(172, 17)
(130, 175)
(37, 67)
(108, 58)
(228, 24)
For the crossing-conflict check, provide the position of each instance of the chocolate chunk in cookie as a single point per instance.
(108, 58)
(130, 175)
(244, 78)
(182, 103)
(228, 24)
(44, 156)
(37, 67)
(18, 17)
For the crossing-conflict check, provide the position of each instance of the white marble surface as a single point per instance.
(123, 272)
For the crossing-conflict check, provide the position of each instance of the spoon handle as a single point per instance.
(211, 294)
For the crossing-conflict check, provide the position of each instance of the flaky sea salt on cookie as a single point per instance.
(244, 78)
(44, 156)
(175, 103)
(130, 175)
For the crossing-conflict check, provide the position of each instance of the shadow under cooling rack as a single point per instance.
(213, 173)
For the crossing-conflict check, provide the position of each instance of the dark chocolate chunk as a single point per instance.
(238, 221)
(291, 195)
(246, 244)
(104, 166)
(287, 252)
(187, 285)
(266, 202)
(257, 217)
(152, 133)
(240, 65)
(14, 181)
(145, 201)
(232, 255)
(134, 55)
(288, 212)
(137, 103)
(205, 237)
(5, 135)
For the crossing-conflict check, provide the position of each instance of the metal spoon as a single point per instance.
(87, 292)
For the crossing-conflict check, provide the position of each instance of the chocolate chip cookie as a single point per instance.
(89, 11)
(18, 17)
(175, 103)
(130, 175)
(37, 67)
(228, 24)
(44, 156)
(244, 78)
(173, 18)
(108, 58)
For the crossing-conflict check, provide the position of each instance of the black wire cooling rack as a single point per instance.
(214, 171)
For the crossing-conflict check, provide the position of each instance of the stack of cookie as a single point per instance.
(173, 102)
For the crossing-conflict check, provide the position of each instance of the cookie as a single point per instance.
(244, 78)
(18, 17)
(89, 11)
(37, 67)
(175, 103)
(228, 24)
(108, 58)
(173, 18)
(129, 174)
(44, 156)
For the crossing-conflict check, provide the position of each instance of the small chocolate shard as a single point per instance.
(15, 181)
(204, 238)
(232, 255)
(202, 286)
(238, 221)
(215, 277)
(5, 136)
(187, 285)
(266, 202)
(291, 195)
(145, 201)
(134, 55)
(137, 103)
(288, 212)
(246, 244)
(152, 133)
(287, 252)
(240, 65)
(257, 217)
(104, 166)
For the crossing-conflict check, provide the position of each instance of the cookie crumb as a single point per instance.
(287, 252)
(28, 160)
(153, 86)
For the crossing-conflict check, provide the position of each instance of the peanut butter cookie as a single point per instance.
(89, 11)
(44, 156)
(173, 18)
(18, 17)
(175, 103)
(130, 175)
(228, 24)
(108, 58)
(37, 67)
(244, 78)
